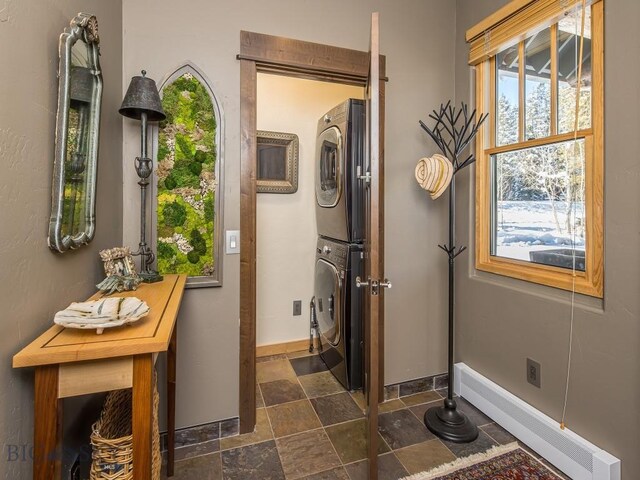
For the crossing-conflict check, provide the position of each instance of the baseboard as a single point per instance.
(566, 450)
(280, 348)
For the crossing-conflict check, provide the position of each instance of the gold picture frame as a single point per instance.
(277, 162)
(118, 261)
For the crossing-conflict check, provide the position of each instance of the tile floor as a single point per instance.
(309, 427)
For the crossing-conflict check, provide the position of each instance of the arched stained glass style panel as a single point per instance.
(188, 184)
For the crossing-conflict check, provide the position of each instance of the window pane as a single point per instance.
(538, 204)
(187, 155)
(568, 55)
(538, 85)
(507, 109)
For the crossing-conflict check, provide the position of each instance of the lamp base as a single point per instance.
(450, 424)
(150, 276)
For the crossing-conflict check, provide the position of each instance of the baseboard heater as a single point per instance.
(572, 454)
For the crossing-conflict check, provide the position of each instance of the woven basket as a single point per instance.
(112, 440)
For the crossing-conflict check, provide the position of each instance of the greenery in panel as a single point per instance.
(186, 179)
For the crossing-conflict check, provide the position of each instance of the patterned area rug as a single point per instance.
(507, 462)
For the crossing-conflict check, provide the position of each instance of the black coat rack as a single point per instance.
(452, 133)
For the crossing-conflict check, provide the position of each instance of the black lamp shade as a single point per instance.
(142, 97)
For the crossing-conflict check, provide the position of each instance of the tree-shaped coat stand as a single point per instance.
(452, 133)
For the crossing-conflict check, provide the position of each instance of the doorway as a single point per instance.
(282, 56)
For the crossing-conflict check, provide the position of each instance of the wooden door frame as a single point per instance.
(283, 56)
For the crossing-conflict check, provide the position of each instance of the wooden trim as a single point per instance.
(595, 190)
(381, 217)
(496, 18)
(554, 80)
(283, 56)
(372, 249)
(285, 347)
(47, 437)
(590, 282)
(522, 101)
(563, 137)
(248, 94)
(498, 31)
(142, 411)
(82, 378)
(306, 56)
(493, 95)
(482, 170)
(172, 354)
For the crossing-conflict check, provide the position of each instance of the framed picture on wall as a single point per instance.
(277, 157)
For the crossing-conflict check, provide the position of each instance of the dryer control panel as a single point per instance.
(333, 252)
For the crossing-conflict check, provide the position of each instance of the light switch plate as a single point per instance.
(232, 243)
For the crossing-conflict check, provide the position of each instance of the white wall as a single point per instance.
(286, 224)
(417, 36)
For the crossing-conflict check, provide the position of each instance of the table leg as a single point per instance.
(142, 415)
(47, 438)
(171, 401)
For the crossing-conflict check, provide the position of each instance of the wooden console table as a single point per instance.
(71, 362)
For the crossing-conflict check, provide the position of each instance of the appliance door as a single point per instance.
(329, 152)
(328, 292)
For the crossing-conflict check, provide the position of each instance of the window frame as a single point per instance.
(214, 280)
(509, 26)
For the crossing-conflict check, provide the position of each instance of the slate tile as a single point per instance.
(422, 397)
(196, 450)
(391, 406)
(389, 468)
(481, 444)
(415, 386)
(306, 453)
(199, 434)
(401, 429)
(275, 370)
(320, 384)
(350, 440)
(334, 474)
(498, 433)
(419, 410)
(336, 408)
(253, 461)
(475, 415)
(424, 456)
(271, 358)
(261, 433)
(229, 427)
(308, 365)
(281, 391)
(205, 467)
(292, 417)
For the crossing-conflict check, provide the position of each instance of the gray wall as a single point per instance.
(35, 281)
(502, 321)
(418, 38)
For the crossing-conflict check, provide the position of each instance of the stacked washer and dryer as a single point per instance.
(340, 215)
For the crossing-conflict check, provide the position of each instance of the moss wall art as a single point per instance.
(186, 179)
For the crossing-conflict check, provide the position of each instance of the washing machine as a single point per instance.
(339, 307)
(340, 155)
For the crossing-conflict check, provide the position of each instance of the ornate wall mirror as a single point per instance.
(277, 157)
(73, 204)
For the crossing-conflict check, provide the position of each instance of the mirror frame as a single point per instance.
(83, 27)
(290, 160)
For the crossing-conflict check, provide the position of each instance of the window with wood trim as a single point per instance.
(539, 171)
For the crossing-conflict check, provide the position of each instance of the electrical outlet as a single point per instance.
(297, 307)
(533, 372)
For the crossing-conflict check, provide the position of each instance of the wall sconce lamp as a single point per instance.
(142, 102)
